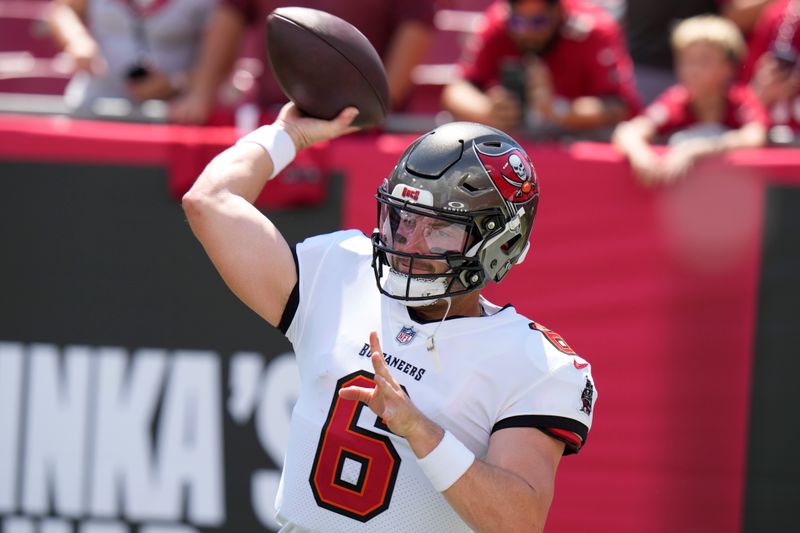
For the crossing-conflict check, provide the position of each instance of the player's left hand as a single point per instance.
(387, 400)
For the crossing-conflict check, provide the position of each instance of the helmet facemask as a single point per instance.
(426, 254)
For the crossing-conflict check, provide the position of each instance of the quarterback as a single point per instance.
(469, 406)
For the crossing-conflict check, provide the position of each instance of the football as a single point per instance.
(324, 64)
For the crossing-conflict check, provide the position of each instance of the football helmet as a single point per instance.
(456, 212)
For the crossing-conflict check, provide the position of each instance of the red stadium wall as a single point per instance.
(657, 288)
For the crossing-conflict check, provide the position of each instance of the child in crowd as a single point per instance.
(706, 113)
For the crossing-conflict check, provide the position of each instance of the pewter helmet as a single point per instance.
(460, 176)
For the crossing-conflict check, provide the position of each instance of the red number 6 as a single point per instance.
(354, 468)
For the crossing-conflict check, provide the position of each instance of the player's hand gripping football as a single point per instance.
(306, 131)
(387, 399)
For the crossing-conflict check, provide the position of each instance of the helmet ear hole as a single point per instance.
(510, 243)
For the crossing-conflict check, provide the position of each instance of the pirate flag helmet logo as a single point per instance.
(512, 173)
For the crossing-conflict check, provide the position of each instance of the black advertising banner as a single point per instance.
(773, 463)
(136, 393)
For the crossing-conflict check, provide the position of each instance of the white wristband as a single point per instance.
(447, 462)
(276, 142)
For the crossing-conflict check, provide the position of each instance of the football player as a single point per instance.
(469, 406)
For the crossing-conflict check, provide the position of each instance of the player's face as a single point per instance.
(704, 69)
(414, 233)
(532, 23)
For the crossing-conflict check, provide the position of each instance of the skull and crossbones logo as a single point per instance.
(518, 166)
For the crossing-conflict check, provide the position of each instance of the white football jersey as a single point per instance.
(344, 470)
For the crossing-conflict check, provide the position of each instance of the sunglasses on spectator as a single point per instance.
(525, 23)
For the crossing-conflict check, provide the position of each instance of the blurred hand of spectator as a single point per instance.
(154, 86)
(505, 111)
(632, 138)
(193, 107)
(539, 84)
(649, 167)
(775, 81)
(85, 56)
(64, 19)
(676, 163)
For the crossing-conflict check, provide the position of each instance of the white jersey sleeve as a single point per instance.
(312, 258)
(561, 400)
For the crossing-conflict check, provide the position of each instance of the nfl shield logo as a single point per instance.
(406, 335)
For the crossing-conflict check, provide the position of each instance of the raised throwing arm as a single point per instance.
(249, 252)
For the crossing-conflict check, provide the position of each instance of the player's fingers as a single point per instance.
(346, 117)
(375, 348)
(379, 364)
(385, 387)
(361, 394)
(374, 342)
(289, 111)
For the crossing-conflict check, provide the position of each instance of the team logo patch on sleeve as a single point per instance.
(406, 335)
(586, 397)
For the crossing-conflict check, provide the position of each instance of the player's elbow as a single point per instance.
(195, 203)
(203, 194)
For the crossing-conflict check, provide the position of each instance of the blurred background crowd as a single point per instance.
(702, 76)
(683, 297)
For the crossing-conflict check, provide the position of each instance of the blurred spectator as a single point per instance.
(128, 50)
(400, 31)
(773, 64)
(649, 23)
(707, 112)
(550, 66)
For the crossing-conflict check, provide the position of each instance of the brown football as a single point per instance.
(324, 64)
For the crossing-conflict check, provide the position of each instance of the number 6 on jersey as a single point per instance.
(354, 468)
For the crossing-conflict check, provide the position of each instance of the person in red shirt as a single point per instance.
(544, 63)
(400, 31)
(773, 64)
(706, 113)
